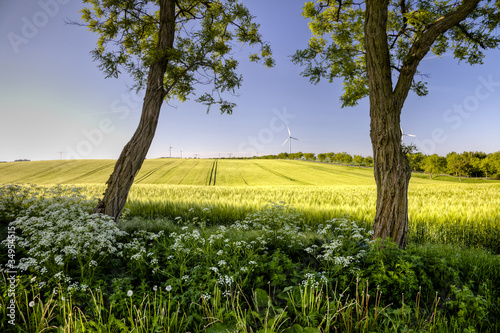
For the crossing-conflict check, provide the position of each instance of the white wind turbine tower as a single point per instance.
(289, 140)
(403, 135)
(170, 151)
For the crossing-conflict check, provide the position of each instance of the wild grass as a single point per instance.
(462, 214)
(271, 271)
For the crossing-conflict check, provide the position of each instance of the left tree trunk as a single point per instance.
(135, 151)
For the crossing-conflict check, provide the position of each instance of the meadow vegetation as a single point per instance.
(288, 258)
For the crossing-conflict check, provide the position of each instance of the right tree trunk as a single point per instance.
(392, 175)
(391, 167)
(135, 151)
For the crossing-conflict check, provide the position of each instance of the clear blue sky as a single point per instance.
(54, 99)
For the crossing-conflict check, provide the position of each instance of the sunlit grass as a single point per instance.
(439, 210)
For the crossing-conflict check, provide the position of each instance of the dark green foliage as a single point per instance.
(270, 271)
(205, 35)
(337, 46)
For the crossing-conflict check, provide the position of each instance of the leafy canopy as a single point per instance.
(336, 48)
(205, 35)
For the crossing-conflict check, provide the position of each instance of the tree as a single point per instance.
(297, 156)
(358, 160)
(368, 161)
(475, 160)
(458, 164)
(491, 164)
(283, 156)
(347, 158)
(343, 157)
(416, 161)
(434, 164)
(310, 156)
(321, 157)
(370, 43)
(167, 47)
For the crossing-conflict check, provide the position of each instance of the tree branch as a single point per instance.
(422, 46)
(402, 5)
(475, 40)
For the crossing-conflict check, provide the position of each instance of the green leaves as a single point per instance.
(336, 48)
(205, 34)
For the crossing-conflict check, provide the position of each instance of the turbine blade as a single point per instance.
(412, 135)
(285, 141)
(294, 138)
(288, 128)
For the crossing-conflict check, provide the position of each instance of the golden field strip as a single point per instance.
(222, 172)
(439, 210)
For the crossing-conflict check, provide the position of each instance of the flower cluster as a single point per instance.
(345, 244)
(59, 232)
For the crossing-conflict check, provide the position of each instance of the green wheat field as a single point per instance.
(224, 190)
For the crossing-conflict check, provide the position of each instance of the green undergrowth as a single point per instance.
(268, 272)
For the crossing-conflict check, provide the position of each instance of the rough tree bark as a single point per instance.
(134, 152)
(391, 167)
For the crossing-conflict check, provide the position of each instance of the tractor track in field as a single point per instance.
(90, 173)
(39, 174)
(282, 175)
(168, 171)
(185, 174)
(323, 169)
(213, 174)
(149, 173)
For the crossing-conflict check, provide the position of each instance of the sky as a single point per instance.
(56, 104)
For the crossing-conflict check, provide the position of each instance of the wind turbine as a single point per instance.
(403, 134)
(170, 151)
(289, 140)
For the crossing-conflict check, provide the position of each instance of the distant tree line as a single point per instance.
(466, 164)
(343, 158)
